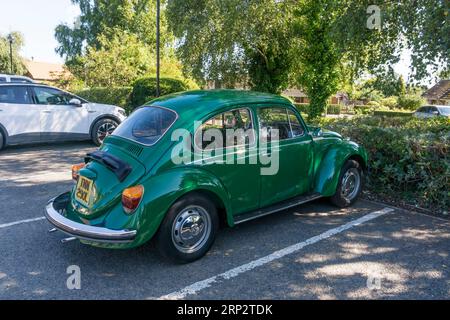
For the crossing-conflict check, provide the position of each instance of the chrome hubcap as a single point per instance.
(191, 229)
(350, 184)
(105, 130)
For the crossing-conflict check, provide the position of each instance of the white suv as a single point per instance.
(32, 113)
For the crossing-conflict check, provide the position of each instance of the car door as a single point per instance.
(18, 114)
(225, 145)
(60, 119)
(284, 140)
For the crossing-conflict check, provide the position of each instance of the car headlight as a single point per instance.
(122, 112)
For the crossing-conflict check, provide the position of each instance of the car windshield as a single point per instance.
(146, 125)
(445, 110)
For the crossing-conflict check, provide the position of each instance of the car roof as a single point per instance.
(202, 102)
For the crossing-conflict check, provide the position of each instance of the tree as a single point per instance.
(317, 55)
(5, 61)
(303, 42)
(219, 41)
(105, 17)
(119, 61)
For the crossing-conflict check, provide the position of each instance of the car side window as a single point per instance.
(271, 119)
(16, 95)
(19, 80)
(51, 96)
(235, 128)
(2, 79)
(297, 129)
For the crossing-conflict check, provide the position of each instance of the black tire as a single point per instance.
(169, 239)
(2, 140)
(345, 195)
(106, 125)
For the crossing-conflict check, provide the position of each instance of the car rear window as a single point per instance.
(146, 125)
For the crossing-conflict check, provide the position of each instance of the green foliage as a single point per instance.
(219, 42)
(317, 56)
(144, 89)
(410, 102)
(104, 17)
(5, 63)
(120, 60)
(388, 113)
(389, 102)
(333, 109)
(118, 96)
(363, 110)
(409, 158)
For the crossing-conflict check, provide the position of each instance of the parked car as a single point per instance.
(432, 111)
(133, 190)
(14, 78)
(39, 113)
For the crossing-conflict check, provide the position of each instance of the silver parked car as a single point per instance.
(432, 111)
(14, 78)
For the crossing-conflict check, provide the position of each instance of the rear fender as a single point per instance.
(164, 189)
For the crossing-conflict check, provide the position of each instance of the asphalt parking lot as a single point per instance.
(313, 251)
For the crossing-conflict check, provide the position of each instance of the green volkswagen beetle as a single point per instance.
(182, 165)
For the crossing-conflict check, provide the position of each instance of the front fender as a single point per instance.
(163, 189)
(329, 167)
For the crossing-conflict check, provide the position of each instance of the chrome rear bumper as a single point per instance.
(82, 231)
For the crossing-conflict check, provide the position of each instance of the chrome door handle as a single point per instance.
(47, 111)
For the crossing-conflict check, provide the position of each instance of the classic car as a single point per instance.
(156, 178)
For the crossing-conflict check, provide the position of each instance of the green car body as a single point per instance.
(309, 167)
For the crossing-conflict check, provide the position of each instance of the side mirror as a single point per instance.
(75, 102)
(436, 113)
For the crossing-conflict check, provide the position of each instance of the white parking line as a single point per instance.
(198, 286)
(6, 225)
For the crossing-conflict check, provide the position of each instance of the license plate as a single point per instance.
(84, 190)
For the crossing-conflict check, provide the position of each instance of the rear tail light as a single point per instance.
(75, 169)
(131, 198)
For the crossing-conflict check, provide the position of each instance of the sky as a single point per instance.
(37, 20)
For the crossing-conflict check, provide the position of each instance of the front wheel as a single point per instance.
(102, 129)
(189, 229)
(349, 185)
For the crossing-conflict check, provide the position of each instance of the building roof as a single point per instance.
(44, 71)
(440, 91)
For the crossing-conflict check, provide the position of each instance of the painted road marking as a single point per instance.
(6, 225)
(198, 286)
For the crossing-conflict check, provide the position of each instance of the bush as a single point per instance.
(410, 102)
(144, 89)
(388, 113)
(390, 102)
(373, 104)
(118, 96)
(333, 109)
(363, 109)
(409, 158)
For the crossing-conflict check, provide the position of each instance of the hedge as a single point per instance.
(144, 89)
(409, 158)
(331, 109)
(118, 96)
(392, 113)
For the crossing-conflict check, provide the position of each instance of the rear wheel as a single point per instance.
(102, 129)
(189, 229)
(349, 185)
(2, 140)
